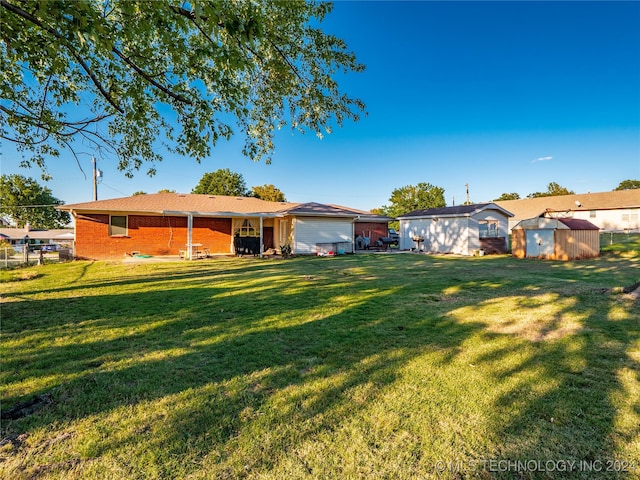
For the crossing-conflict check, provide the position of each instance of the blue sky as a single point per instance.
(504, 96)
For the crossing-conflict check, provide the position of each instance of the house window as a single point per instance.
(592, 214)
(246, 229)
(118, 226)
(630, 217)
(488, 228)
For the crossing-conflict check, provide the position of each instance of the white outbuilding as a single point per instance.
(463, 229)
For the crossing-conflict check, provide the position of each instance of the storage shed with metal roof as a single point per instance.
(555, 239)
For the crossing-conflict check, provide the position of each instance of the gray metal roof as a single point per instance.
(455, 211)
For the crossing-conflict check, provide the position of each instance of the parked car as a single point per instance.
(50, 248)
(392, 234)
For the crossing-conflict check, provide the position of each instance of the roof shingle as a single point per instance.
(533, 207)
(455, 211)
(177, 202)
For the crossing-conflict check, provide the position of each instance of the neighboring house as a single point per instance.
(462, 229)
(555, 238)
(609, 211)
(171, 224)
(19, 236)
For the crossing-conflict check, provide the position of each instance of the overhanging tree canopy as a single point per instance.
(120, 75)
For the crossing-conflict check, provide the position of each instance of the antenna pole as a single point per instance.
(467, 186)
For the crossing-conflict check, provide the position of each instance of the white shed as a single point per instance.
(462, 229)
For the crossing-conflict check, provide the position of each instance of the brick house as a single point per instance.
(183, 224)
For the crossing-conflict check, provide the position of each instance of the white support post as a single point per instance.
(261, 233)
(190, 237)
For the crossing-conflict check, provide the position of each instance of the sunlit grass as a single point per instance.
(380, 366)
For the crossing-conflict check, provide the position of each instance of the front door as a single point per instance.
(267, 237)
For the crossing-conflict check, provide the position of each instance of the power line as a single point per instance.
(32, 206)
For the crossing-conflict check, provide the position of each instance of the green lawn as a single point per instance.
(364, 366)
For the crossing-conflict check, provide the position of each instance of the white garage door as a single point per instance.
(312, 235)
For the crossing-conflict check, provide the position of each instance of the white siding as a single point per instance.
(310, 231)
(489, 215)
(473, 236)
(459, 234)
(446, 235)
(503, 221)
(619, 219)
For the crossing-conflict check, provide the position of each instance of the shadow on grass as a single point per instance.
(255, 347)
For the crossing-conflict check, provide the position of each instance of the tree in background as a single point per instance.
(162, 190)
(269, 193)
(628, 185)
(553, 190)
(215, 64)
(25, 201)
(414, 197)
(507, 196)
(222, 182)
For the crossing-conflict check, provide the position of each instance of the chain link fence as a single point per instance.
(620, 240)
(17, 257)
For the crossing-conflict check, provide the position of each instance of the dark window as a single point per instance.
(488, 228)
(118, 226)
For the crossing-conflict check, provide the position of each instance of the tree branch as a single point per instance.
(288, 62)
(150, 79)
(27, 16)
(192, 17)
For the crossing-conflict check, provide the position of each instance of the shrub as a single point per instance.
(285, 250)
(6, 250)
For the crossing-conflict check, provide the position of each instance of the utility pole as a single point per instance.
(95, 179)
(96, 174)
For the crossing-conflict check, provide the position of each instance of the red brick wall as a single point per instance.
(152, 235)
(213, 233)
(374, 230)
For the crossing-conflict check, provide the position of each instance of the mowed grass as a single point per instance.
(369, 366)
